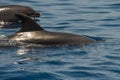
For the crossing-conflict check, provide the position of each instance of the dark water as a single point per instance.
(100, 61)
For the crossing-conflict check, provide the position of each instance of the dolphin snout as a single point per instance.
(35, 14)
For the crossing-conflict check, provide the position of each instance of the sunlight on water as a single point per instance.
(22, 51)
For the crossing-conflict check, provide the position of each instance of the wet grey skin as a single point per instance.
(31, 32)
(7, 13)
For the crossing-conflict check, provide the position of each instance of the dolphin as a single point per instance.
(33, 33)
(7, 13)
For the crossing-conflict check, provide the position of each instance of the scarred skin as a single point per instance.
(7, 13)
(31, 32)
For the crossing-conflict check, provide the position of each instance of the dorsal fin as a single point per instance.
(28, 24)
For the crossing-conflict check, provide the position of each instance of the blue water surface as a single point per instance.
(99, 61)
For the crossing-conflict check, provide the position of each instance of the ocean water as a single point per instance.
(99, 61)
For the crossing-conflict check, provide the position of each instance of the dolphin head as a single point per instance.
(7, 13)
(29, 11)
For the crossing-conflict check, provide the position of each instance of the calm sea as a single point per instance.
(99, 61)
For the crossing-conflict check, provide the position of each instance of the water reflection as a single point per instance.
(22, 51)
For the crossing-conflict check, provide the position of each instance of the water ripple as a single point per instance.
(80, 74)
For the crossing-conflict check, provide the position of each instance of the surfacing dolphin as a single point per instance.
(33, 33)
(7, 13)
